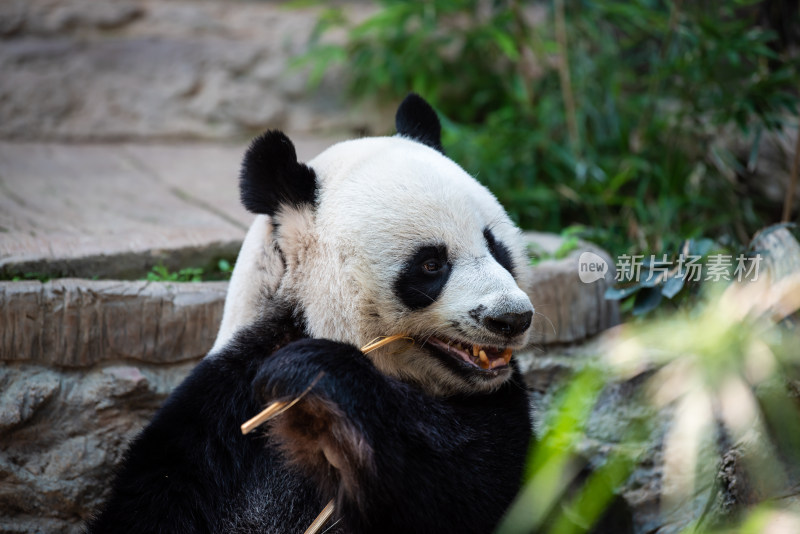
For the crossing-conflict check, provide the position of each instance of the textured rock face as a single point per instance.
(768, 176)
(83, 366)
(81, 323)
(130, 69)
(62, 432)
(567, 309)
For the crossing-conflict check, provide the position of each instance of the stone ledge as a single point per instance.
(78, 323)
(115, 210)
(568, 310)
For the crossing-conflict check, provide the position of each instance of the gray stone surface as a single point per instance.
(115, 210)
(75, 210)
(767, 175)
(568, 310)
(134, 69)
(63, 431)
(81, 323)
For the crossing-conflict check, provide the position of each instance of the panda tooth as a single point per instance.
(507, 355)
(484, 359)
(475, 350)
(496, 363)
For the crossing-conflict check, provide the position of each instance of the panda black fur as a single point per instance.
(373, 237)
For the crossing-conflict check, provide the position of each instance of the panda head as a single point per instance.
(382, 236)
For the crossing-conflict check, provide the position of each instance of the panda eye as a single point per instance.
(431, 266)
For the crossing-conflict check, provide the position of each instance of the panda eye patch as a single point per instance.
(423, 276)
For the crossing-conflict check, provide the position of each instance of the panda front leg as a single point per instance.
(191, 469)
(393, 458)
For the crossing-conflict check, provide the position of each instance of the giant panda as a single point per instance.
(373, 237)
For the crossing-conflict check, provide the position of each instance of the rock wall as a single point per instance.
(145, 69)
(83, 366)
(62, 431)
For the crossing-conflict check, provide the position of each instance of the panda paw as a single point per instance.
(323, 432)
(331, 366)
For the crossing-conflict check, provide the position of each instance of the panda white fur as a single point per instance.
(373, 237)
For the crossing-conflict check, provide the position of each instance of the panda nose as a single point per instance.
(509, 324)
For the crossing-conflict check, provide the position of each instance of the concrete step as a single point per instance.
(80, 323)
(115, 210)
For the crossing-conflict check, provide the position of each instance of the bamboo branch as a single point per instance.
(787, 204)
(564, 76)
(321, 519)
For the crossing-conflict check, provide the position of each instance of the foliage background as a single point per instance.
(607, 114)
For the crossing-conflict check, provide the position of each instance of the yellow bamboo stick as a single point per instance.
(321, 519)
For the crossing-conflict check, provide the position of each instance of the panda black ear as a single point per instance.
(272, 177)
(417, 120)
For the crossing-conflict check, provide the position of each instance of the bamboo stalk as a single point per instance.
(565, 78)
(378, 342)
(270, 411)
(787, 204)
(321, 519)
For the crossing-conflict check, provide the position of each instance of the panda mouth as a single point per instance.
(481, 357)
